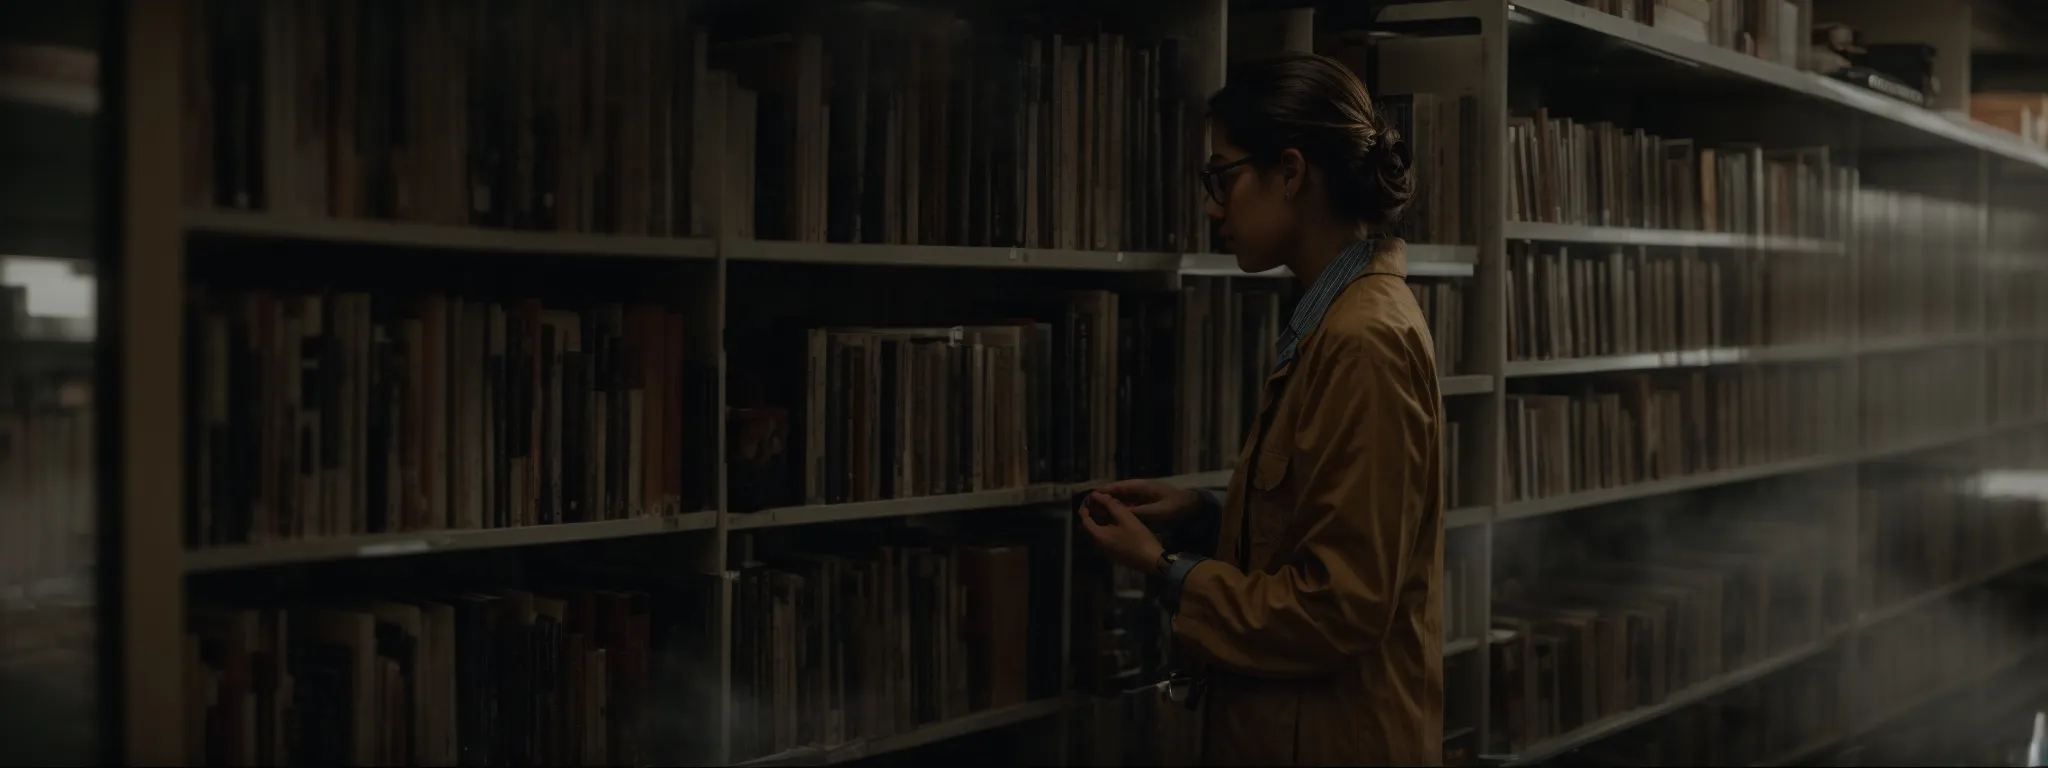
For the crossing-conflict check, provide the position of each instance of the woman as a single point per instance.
(1315, 625)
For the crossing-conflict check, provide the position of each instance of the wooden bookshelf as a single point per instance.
(171, 243)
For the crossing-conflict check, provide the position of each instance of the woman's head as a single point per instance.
(1295, 145)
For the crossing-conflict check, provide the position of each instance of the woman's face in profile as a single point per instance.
(1249, 205)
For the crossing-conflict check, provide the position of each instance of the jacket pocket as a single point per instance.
(1269, 469)
(1270, 504)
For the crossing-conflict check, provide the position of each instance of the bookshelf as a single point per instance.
(1866, 391)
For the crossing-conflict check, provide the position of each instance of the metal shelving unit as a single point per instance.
(158, 230)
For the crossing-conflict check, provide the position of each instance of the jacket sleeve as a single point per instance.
(1198, 536)
(1333, 597)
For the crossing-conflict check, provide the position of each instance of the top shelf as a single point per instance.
(1934, 125)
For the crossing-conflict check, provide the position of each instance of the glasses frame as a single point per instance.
(1210, 176)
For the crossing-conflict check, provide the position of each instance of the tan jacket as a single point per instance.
(1327, 647)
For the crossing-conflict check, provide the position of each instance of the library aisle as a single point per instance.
(651, 382)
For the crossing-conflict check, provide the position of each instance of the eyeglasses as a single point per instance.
(1212, 179)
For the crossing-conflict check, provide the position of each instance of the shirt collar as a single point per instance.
(1371, 256)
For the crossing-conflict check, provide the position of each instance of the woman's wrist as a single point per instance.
(1150, 559)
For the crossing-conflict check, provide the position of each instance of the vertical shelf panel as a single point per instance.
(148, 327)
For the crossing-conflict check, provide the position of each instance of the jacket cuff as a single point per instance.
(1212, 503)
(1176, 575)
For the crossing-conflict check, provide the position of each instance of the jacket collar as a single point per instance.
(1389, 257)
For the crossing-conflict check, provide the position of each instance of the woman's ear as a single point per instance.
(1293, 172)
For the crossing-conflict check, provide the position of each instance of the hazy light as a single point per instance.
(54, 288)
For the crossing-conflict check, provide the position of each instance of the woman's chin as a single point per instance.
(1253, 265)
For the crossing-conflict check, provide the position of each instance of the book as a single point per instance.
(561, 675)
(859, 125)
(1611, 611)
(339, 413)
(1575, 434)
(1564, 171)
(840, 644)
(1589, 301)
(1772, 30)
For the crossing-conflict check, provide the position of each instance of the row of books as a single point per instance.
(1582, 434)
(1918, 272)
(1443, 133)
(1167, 382)
(893, 125)
(1919, 394)
(1210, 346)
(1750, 725)
(897, 412)
(1925, 529)
(2012, 299)
(1923, 652)
(488, 677)
(1564, 171)
(1444, 306)
(1574, 302)
(1772, 30)
(47, 496)
(944, 130)
(1461, 587)
(555, 116)
(1621, 606)
(1624, 631)
(337, 413)
(2018, 381)
(846, 645)
(1457, 488)
(830, 646)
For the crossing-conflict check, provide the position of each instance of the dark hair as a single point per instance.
(1314, 105)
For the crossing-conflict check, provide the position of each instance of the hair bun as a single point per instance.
(1394, 152)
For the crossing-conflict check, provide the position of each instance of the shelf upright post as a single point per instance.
(1850, 661)
(720, 546)
(148, 405)
(1979, 317)
(1492, 321)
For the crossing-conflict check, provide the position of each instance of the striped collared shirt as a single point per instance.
(1315, 302)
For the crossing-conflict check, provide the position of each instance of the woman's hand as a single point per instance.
(1125, 539)
(1153, 502)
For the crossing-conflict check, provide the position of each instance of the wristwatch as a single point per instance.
(1165, 563)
